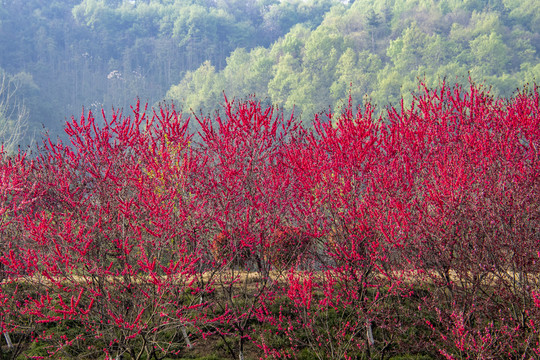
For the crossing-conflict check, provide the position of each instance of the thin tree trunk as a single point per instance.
(370, 338)
(186, 337)
(241, 351)
(8, 340)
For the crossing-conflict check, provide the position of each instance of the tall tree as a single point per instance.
(373, 21)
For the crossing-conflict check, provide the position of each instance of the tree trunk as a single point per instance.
(370, 339)
(8, 340)
(241, 351)
(186, 337)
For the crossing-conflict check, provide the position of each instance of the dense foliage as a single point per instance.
(415, 233)
(65, 54)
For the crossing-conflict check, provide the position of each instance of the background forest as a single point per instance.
(59, 56)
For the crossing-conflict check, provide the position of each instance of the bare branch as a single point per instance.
(14, 115)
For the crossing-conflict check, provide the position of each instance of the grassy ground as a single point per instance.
(212, 347)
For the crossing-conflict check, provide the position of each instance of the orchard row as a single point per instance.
(414, 233)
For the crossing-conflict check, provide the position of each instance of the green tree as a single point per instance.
(373, 21)
(260, 74)
(388, 89)
(206, 33)
(281, 16)
(480, 23)
(237, 72)
(407, 51)
(489, 54)
(248, 73)
(525, 12)
(355, 73)
(522, 50)
(439, 50)
(197, 90)
(293, 43)
(322, 52)
(286, 79)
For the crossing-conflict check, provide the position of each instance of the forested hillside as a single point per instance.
(378, 50)
(58, 56)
